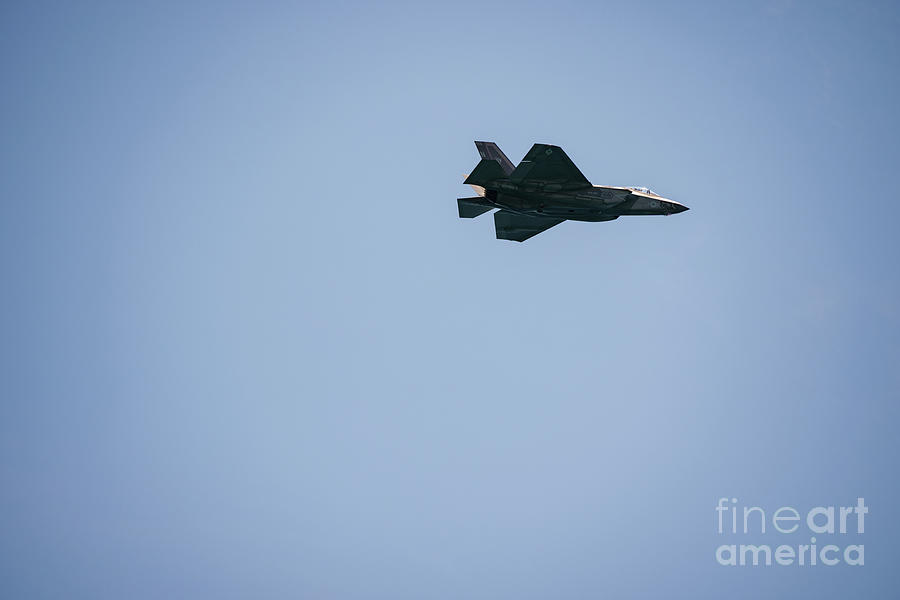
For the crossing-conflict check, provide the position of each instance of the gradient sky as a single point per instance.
(251, 351)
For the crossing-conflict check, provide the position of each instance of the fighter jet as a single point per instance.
(547, 189)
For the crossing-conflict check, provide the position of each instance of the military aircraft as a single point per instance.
(547, 189)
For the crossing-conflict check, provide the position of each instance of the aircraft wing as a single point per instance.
(516, 227)
(550, 164)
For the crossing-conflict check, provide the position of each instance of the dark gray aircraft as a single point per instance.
(547, 189)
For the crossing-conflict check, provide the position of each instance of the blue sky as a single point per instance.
(251, 351)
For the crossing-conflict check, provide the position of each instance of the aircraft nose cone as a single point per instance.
(679, 208)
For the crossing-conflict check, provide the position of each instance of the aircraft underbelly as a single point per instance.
(563, 206)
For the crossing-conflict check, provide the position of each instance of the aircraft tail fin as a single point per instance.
(490, 151)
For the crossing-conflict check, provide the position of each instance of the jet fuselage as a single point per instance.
(595, 203)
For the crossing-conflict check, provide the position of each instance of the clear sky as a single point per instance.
(249, 350)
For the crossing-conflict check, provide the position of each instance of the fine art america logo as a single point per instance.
(824, 525)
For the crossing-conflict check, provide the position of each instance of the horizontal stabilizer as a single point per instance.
(516, 227)
(469, 208)
(486, 171)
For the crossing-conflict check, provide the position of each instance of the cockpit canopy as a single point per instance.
(643, 190)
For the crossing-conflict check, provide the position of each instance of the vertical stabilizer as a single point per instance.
(490, 151)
